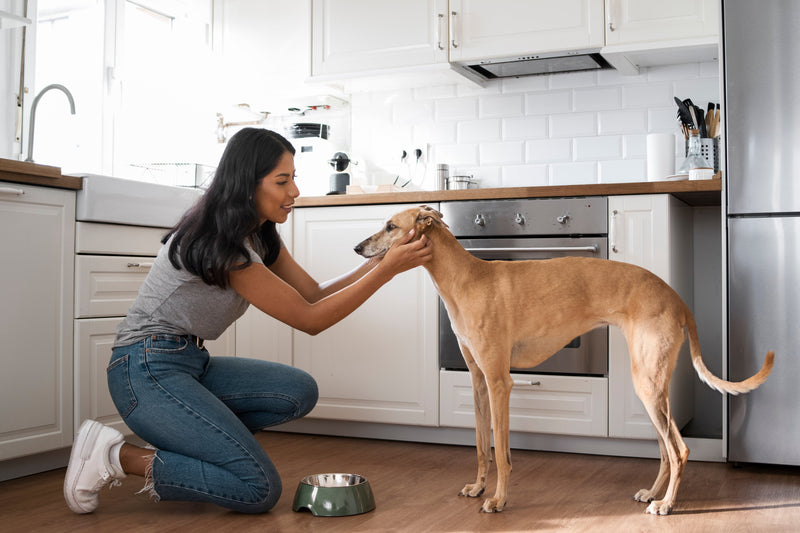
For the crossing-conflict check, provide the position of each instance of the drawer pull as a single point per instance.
(140, 265)
(526, 383)
(12, 191)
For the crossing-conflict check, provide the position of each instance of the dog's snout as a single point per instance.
(358, 248)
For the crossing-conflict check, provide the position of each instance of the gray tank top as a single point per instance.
(177, 302)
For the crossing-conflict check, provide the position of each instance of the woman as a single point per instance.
(198, 412)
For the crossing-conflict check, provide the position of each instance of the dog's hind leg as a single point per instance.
(483, 428)
(652, 365)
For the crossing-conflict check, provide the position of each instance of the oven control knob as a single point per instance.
(519, 219)
(480, 220)
(563, 219)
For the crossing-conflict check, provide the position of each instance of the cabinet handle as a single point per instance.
(613, 9)
(12, 191)
(140, 265)
(439, 33)
(526, 383)
(453, 28)
(612, 231)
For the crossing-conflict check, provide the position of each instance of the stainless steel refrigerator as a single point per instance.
(761, 72)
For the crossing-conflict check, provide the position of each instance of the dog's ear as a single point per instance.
(428, 217)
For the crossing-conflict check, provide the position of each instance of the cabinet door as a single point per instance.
(379, 364)
(36, 276)
(368, 35)
(653, 232)
(637, 21)
(93, 341)
(482, 29)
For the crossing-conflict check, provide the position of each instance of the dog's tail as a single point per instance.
(735, 388)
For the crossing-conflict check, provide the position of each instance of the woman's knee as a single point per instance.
(308, 394)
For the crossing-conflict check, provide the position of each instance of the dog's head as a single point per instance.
(421, 219)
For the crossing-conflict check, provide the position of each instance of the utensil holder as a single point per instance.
(709, 149)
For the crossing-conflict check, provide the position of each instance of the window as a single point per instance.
(142, 87)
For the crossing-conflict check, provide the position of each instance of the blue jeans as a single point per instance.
(200, 413)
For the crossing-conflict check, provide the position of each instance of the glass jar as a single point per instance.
(695, 165)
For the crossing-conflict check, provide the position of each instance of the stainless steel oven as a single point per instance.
(513, 230)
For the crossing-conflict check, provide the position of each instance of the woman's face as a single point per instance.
(276, 192)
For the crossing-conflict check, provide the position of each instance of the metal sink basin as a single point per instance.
(137, 203)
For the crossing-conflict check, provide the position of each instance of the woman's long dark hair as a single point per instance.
(209, 239)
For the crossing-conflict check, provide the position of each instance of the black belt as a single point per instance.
(197, 341)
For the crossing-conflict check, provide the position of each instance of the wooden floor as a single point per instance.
(416, 486)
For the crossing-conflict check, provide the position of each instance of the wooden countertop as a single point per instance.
(34, 174)
(694, 193)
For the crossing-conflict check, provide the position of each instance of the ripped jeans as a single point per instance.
(200, 413)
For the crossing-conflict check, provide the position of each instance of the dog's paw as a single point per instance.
(660, 507)
(472, 490)
(493, 505)
(644, 496)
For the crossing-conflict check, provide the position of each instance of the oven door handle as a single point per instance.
(593, 248)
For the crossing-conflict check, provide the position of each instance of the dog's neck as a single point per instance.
(450, 262)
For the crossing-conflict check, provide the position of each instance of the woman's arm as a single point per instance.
(286, 268)
(281, 300)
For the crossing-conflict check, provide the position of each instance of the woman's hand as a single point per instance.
(406, 254)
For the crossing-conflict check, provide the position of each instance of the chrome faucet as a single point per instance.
(33, 113)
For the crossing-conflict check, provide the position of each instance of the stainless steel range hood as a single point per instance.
(537, 64)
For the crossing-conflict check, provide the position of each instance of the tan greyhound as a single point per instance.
(519, 313)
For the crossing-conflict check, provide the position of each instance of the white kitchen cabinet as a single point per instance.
(380, 364)
(351, 36)
(37, 235)
(564, 405)
(636, 21)
(653, 232)
(258, 335)
(484, 29)
(107, 280)
(358, 36)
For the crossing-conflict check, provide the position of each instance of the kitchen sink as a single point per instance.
(137, 203)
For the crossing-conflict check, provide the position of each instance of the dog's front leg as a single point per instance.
(483, 427)
(500, 384)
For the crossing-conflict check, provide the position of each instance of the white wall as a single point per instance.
(572, 128)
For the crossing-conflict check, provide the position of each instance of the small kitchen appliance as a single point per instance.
(340, 179)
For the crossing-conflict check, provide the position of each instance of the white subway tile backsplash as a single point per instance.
(630, 170)
(650, 95)
(456, 154)
(569, 128)
(573, 173)
(412, 112)
(663, 119)
(525, 176)
(502, 153)
(598, 148)
(596, 99)
(547, 150)
(622, 121)
(545, 103)
(524, 128)
(507, 105)
(475, 131)
(465, 108)
(573, 124)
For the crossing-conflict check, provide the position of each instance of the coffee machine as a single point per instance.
(340, 179)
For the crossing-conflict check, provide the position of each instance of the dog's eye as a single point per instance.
(390, 227)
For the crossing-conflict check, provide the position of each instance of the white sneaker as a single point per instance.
(90, 466)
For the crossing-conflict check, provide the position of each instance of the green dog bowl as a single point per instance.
(334, 495)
